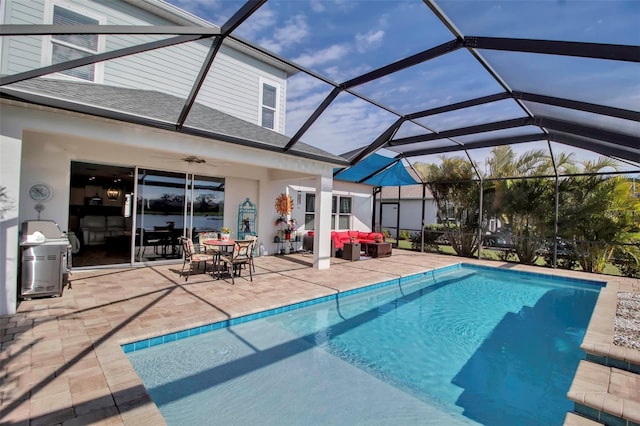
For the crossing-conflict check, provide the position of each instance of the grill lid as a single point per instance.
(47, 228)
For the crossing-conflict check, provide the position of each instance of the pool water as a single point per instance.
(462, 346)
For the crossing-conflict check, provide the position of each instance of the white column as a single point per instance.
(322, 222)
(10, 152)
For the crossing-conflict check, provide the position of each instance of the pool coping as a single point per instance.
(598, 340)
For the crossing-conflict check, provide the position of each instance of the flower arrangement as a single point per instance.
(225, 233)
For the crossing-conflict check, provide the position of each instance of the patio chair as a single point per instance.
(192, 256)
(252, 252)
(241, 255)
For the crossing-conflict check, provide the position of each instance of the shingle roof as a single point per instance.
(157, 109)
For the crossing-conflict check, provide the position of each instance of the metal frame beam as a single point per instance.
(459, 105)
(589, 132)
(581, 106)
(616, 52)
(402, 64)
(198, 82)
(232, 23)
(485, 143)
(380, 141)
(241, 15)
(608, 149)
(312, 119)
(488, 127)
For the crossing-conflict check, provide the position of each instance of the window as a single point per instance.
(309, 211)
(66, 47)
(341, 212)
(269, 108)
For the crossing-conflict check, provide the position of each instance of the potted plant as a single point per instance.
(225, 233)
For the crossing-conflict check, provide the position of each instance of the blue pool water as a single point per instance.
(467, 345)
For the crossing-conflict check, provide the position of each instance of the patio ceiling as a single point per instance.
(408, 79)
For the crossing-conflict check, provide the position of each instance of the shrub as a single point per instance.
(628, 261)
(434, 236)
(404, 235)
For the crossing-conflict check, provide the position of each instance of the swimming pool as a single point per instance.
(463, 345)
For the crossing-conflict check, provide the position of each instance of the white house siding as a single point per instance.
(21, 53)
(410, 199)
(232, 85)
(410, 212)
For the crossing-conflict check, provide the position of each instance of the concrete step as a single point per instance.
(606, 394)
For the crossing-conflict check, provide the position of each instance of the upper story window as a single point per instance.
(269, 105)
(66, 47)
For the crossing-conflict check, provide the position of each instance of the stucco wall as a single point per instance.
(39, 144)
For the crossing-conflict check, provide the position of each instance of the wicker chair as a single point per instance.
(193, 256)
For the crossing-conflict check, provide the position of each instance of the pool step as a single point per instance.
(606, 394)
(573, 419)
(598, 340)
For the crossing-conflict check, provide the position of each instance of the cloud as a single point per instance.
(331, 53)
(317, 6)
(347, 124)
(301, 85)
(368, 41)
(260, 21)
(204, 8)
(294, 31)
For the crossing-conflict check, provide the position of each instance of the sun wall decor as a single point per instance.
(284, 204)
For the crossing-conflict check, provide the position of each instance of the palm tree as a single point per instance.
(596, 211)
(520, 204)
(457, 199)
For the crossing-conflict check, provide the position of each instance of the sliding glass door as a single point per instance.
(169, 205)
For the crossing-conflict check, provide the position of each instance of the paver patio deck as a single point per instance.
(61, 357)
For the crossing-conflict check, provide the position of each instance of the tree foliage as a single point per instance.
(457, 198)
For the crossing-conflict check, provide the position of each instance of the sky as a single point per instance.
(342, 39)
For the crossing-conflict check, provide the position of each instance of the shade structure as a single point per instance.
(376, 170)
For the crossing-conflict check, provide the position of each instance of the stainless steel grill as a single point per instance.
(46, 256)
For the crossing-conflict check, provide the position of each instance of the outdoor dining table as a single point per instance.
(218, 247)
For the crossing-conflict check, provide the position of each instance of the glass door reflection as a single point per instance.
(160, 214)
(169, 205)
